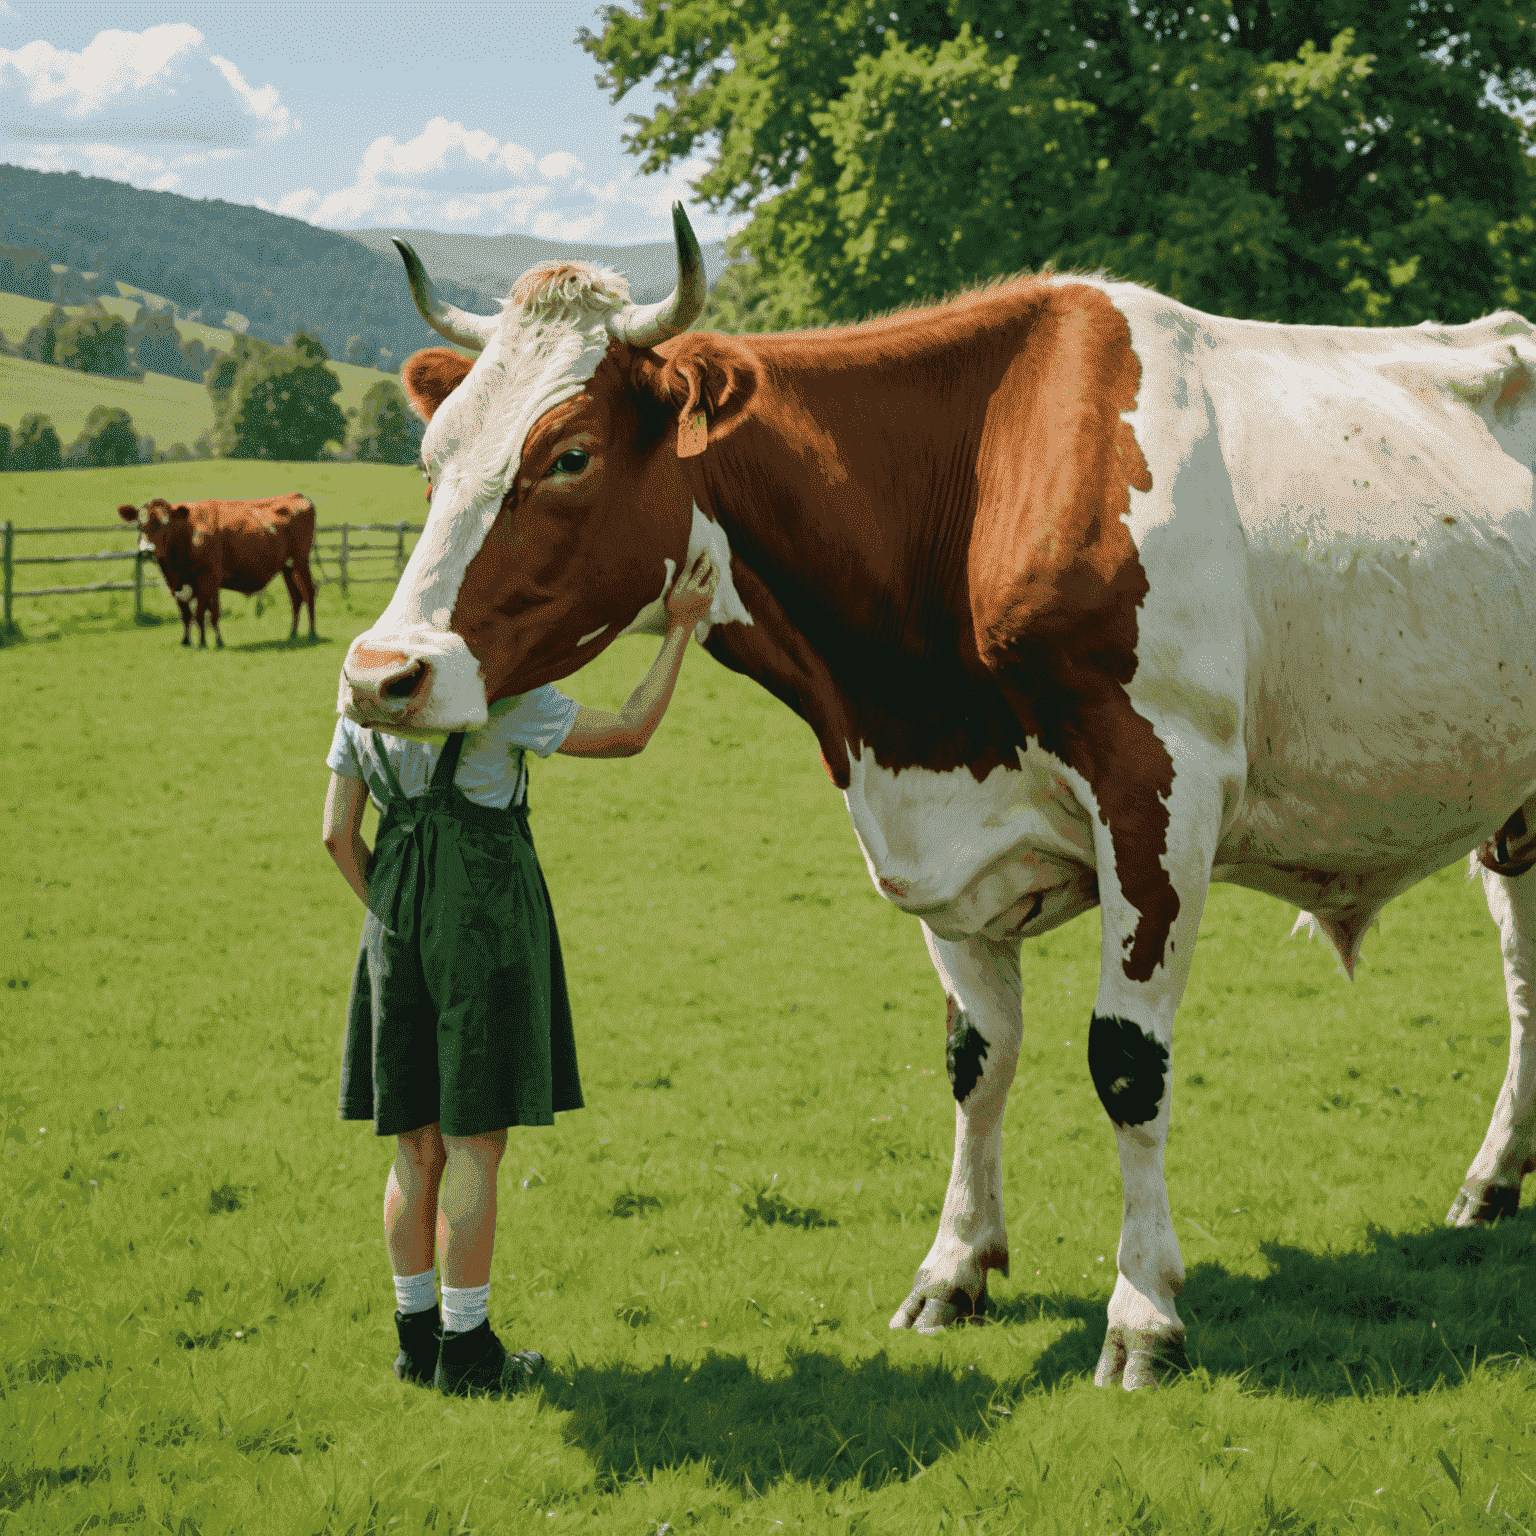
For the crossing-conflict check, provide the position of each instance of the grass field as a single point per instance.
(166, 409)
(195, 1307)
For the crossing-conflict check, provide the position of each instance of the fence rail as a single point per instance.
(333, 540)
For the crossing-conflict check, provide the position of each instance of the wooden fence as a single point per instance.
(336, 554)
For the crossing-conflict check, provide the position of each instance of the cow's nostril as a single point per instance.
(404, 686)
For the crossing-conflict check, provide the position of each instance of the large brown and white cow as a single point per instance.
(1089, 598)
(239, 546)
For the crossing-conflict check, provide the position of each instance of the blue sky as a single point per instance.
(464, 116)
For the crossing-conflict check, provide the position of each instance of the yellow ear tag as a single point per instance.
(692, 435)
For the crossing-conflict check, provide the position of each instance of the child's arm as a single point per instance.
(345, 801)
(597, 733)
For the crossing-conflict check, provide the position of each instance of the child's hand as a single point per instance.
(688, 601)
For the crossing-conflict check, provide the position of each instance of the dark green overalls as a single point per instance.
(459, 1012)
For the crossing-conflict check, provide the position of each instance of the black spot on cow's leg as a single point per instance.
(1128, 1068)
(965, 1051)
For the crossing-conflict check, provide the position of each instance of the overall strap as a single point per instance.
(448, 762)
(396, 794)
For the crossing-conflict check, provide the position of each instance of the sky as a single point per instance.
(465, 116)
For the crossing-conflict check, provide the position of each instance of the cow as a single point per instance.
(203, 546)
(1089, 598)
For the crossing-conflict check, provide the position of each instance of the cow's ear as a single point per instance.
(707, 382)
(178, 514)
(128, 514)
(431, 376)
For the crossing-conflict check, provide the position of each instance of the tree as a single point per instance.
(387, 430)
(41, 343)
(106, 440)
(274, 402)
(157, 347)
(95, 342)
(1244, 158)
(5, 446)
(36, 444)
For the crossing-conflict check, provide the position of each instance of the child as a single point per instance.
(459, 1024)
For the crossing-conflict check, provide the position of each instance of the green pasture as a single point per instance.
(195, 1304)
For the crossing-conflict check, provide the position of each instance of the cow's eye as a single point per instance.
(572, 461)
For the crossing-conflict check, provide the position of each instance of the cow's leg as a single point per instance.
(1130, 1041)
(1508, 1152)
(202, 624)
(294, 599)
(981, 985)
(185, 609)
(213, 613)
(307, 589)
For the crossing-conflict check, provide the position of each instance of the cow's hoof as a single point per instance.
(1474, 1207)
(1140, 1357)
(933, 1314)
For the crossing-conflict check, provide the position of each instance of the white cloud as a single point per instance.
(560, 165)
(156, 86)
(452, 177)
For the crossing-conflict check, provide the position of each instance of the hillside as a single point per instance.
(211, 258)
(168, 410)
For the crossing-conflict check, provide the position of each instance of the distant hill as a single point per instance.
(214, 259)
(491, 263)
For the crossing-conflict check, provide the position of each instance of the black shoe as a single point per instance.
(477, 1363)
(419, 1333)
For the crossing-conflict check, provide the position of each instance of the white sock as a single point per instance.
(415, 1293)
(465, 1307)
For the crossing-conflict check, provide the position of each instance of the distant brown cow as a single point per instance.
(202, 546)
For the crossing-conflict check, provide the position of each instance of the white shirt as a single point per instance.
(489, 766)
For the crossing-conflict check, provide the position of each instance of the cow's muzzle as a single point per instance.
(385, 687)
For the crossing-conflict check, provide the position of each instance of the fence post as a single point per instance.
(5, 559)
(138, 586)
(399, 548)
(342, 560)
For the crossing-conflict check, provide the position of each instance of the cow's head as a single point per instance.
(162, 527)
(560, 510)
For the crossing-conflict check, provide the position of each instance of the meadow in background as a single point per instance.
(195, 1310)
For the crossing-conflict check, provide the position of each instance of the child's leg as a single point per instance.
(467, 1201)
(411, 1199)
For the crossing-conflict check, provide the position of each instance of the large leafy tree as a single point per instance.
(387, 430)
(1362, 162)
(274, 402)
(107, 440)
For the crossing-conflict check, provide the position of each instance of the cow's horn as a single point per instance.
(643, 325)
(459, 327)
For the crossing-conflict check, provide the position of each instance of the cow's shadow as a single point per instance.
(1408, 1312)
(297, 643)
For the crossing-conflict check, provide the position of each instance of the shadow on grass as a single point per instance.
(827, 1420)
(297, 643)
(1408, 1312)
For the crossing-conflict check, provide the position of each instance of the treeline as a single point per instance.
(95, 341)
(268, 403)
(209, 257)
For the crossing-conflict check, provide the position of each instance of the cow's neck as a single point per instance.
(848, 493)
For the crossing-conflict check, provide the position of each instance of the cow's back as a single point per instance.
(1381, 484)
(253, 540)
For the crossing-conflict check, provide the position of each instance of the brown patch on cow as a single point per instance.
(429, 377)
(1056, 583)
(1518, 383)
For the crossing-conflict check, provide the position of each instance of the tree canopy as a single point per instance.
(387, 430)
(1270, 159)
(107, 440)
(274, 402)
